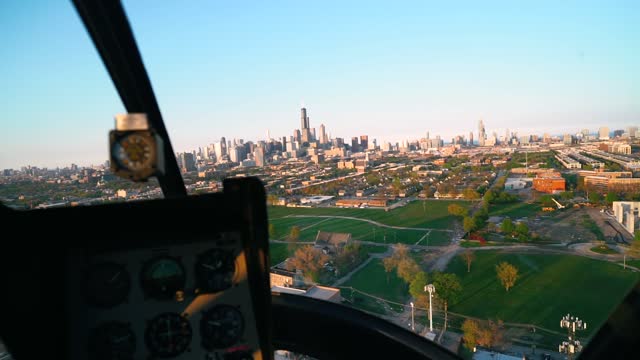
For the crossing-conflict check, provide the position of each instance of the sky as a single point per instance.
(392, 70)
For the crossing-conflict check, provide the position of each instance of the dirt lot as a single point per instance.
(573, 225)
(613, 231)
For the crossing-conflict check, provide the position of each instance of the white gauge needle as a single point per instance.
(115, 277)
(214, 323)
(209, 266)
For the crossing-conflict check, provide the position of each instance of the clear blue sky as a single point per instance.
(389, 69)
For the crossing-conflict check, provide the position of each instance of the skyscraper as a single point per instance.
(603, 133)
(354, 144)
(258, 155)
(364, 142)
(304, 119)
(323, 135)
(223, 147)
(482, 135)
(470, 138)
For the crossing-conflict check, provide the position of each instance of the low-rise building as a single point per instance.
(330, 242)
(550, 182)
(325, 293)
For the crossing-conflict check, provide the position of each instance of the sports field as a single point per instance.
(429, 223)
(549, 287)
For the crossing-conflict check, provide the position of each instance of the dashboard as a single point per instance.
(186, 301)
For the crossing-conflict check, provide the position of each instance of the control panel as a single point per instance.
(189, 300)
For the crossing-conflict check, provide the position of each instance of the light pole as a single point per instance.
(431, 289)
(413, 328)
(572, 346)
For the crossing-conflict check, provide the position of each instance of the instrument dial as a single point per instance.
(112, 341)
(214, 270)
(161, 277)
(221, 327)
(135, 151)
(108, 285)
(168, 335)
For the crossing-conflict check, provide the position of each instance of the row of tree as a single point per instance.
(448, 287)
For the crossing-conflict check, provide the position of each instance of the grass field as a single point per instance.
(514, 210)
(549, 286)
(418, 214)
(433, 214)
(372, 279)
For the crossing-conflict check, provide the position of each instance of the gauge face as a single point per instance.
(112, 341)
(161, 277)
(135, 151)
(168, 335)
(108, 285)
(221, 327)
(214, 270)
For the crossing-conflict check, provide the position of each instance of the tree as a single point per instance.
(469, 224)
(470, 194)
(468, 256)
(470, 331)
(457, 210)
(611, 197)
(480, 218)
(294, 235)
(272, 231)
(507, 273)
(309, 260)
(389, 264)
(488, 334)
(350, 255)
(488, 197)
(595, 198)
(372, 179)
(416, 289)
(522, 229)
(272, 199)
(507, 226)
(546, 200)
(407, 269)
(448, 290)
(400, 252)
(397, 185)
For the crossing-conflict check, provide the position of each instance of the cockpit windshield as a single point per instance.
(468, 171)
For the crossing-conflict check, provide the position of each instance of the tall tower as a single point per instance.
(323, 135)
(482, 136)
(304, 119)
(223, 147)
(470, 138)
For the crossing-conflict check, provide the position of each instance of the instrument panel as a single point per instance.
(182, 301)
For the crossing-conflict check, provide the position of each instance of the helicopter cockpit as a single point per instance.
(184, 277)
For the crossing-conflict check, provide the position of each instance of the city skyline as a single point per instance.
(388, 71)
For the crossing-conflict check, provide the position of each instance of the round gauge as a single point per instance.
(161, 277)
(214, 270)
(108, 285)
(112, 341)
(221, 327)
(135, 151)
(168, 335)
